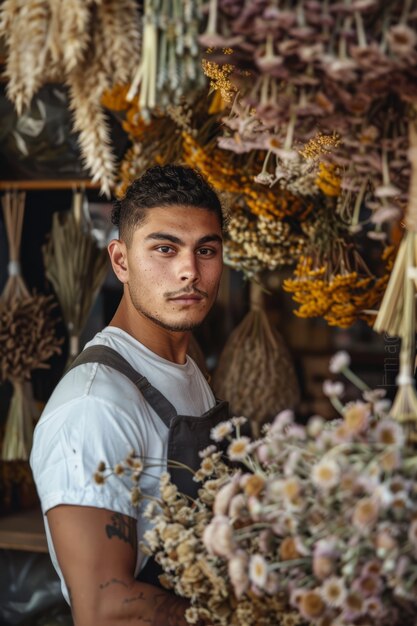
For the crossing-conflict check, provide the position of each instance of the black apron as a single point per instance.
(187, 434)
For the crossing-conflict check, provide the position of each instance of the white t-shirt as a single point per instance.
(97, 414)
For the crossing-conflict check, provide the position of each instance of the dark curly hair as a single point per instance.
(163, 186)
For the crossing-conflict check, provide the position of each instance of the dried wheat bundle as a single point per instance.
(76, 267)
(87, 44)
(255, 371)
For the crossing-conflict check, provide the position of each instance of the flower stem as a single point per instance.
(358, 382)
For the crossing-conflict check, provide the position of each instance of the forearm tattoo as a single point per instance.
(123, 528)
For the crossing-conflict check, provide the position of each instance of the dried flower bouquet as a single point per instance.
(317, 525)
(27, 337)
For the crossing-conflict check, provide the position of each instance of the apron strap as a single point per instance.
(107, 356)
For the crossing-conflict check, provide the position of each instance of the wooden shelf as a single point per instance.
(23, 531)
(29, 185)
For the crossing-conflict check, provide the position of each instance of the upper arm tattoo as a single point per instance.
(122, 527)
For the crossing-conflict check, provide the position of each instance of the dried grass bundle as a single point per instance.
(13, 211)
(397, 314)
(255, 371)
(76, 267)
(27, 341)
(27, 338)
(89, 46)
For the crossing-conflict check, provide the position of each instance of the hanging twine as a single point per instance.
(13, 204)
(255, 373)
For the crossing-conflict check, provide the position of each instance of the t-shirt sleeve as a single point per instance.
(70, 444)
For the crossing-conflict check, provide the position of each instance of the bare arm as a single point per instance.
(96, 550)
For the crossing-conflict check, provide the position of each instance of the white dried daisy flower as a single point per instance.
(333, 389)
(339, 362)
(207, 451)
(239, 420)
(333, 591)
(238, 448)
(258, 570)
(219, 432)
(389, 432)
(326, 474)
(315, 426)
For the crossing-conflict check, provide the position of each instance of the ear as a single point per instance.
(118, 257)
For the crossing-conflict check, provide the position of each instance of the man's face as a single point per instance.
(174, 266)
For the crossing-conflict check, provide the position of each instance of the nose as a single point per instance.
(189, 271)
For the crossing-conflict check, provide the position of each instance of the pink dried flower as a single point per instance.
(218, 537)
(402, 40)
(225, 494)
(238, 572)
(281, 421)
(365, 514)
(356, 417)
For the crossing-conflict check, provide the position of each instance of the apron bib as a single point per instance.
(187, 434)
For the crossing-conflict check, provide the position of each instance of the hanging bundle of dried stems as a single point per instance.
(87, 44)
(27, 338)
(397, 315)
(76, 267)
(255, 371)
(169, 68)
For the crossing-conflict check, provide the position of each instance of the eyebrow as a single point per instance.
(166, 237)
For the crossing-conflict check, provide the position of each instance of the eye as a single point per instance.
(165, 249)
(206, 252)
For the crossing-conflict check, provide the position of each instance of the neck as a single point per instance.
(168, 344)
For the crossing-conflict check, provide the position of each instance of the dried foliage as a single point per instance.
(88, 45)
(255, 371)
(337, 67)
(76, 267)
(27, 337)
(169, 68)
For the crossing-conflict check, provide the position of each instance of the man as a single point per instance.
(169, 259)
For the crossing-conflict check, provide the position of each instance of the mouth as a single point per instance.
(187, 299)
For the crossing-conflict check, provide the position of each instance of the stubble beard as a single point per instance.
(184, 327)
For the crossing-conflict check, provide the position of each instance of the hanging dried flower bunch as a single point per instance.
(262, 243)
(87, 44)
(256, 372)
(263, 226)
(169, 69)
(27, 338)
(341, 296)
(76, 267)
(349, 68)
(154, 142)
